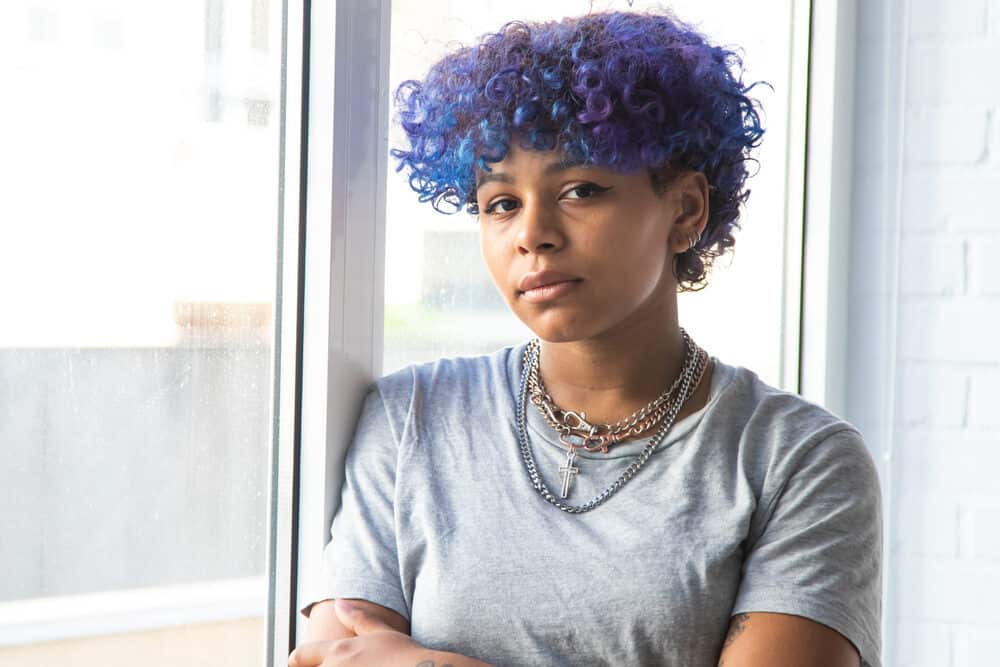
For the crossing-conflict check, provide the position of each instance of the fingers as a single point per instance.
(310, 654)
(354, 619)
(357, 620)
(313, 654)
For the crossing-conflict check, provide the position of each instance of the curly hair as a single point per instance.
(622, 90)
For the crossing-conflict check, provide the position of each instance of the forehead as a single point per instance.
(522, 163)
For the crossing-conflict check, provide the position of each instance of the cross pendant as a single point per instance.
(567, 471)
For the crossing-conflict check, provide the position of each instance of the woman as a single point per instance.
(608, 493)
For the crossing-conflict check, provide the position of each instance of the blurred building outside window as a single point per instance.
(138, 275)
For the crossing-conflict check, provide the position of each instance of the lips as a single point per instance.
(542, 278)
(546, 285)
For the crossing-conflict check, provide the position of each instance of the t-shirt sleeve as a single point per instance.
(360, 561)
(818, 550)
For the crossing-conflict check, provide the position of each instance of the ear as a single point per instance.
(688, 194)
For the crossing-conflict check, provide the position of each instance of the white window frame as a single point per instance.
(342, 284)
(334, 259)
(288, 315)
(827, 204)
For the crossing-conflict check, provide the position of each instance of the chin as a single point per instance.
(560, 337)
(556, 327)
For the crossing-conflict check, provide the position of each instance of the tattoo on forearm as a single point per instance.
(736, 626)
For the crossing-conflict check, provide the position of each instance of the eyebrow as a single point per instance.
(551, 168)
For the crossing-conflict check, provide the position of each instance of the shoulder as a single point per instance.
(766, 406)
(813, 542)
(776, 430)
(444, 383)
(450, 372)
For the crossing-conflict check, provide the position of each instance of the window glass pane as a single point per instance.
(137, 275)
(439, 297)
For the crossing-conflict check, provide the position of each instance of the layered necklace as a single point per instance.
(575, 432)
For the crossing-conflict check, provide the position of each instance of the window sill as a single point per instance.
(95, 614)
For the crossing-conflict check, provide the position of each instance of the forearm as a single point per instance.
(323, 624)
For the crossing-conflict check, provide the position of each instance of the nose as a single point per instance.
(539, 230)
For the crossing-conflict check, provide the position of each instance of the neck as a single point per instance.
(616, 373)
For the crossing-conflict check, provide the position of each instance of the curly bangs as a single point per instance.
(621, 90)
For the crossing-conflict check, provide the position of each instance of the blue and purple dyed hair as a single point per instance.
(622, 90)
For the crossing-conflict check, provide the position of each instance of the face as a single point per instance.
(581, 251)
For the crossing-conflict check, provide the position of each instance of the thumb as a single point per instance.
(358, 620)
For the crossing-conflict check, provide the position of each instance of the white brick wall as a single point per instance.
(979, 646)
(984, 269)
(963, 18)
(961, 200)
(946, 135)
(984, 538)
(984, 406)
(941, 469)
(933, 265)
(955, 329)
(923, 643)
(931, 394)
(951, 70)
(994, 138)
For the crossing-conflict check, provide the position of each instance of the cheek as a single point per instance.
(637, 266)
(636, 251)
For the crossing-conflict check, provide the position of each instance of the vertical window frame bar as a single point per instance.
(796, 159)
(345, 109)
(829, 146)
(288, 320)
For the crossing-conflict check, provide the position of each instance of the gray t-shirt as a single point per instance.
(760, 501)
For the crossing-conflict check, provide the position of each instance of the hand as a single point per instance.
(375, 643)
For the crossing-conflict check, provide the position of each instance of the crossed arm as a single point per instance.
(760, 639)
(372, 634)
(364, 635)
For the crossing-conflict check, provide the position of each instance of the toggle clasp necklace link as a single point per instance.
(576, 433)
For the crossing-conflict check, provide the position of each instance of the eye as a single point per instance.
(586, 190)
(505, 205)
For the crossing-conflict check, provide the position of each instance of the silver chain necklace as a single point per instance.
(576, 432)
(531, 355)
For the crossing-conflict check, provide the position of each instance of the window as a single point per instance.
(152, 164)
(138, 269)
